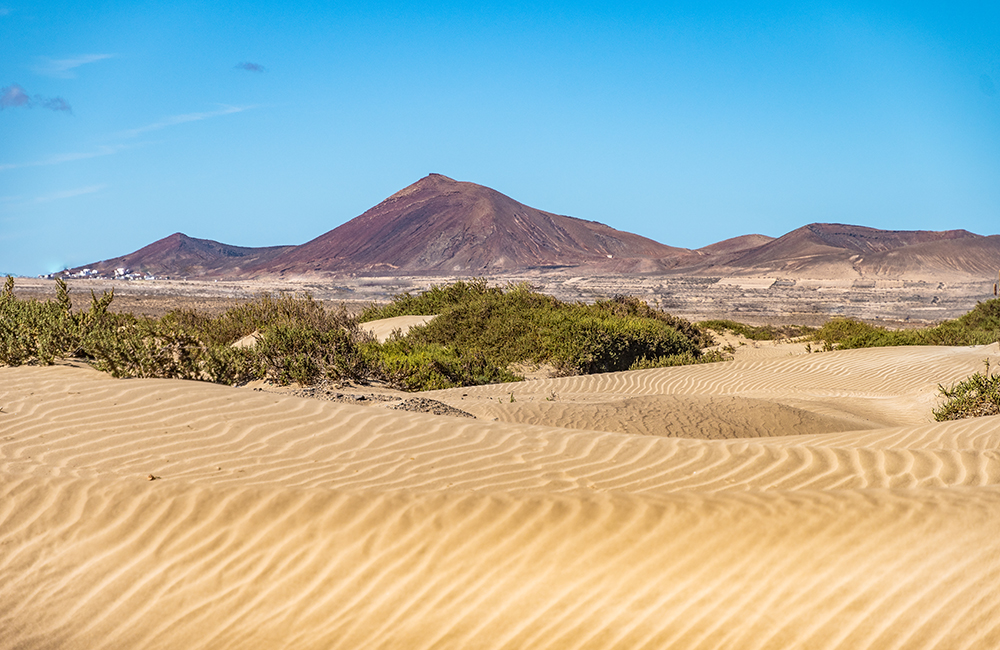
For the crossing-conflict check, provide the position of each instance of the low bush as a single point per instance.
(33, 331)
(479, 333)
(713, 356)
(981, 326)
(435, 300)
(413, 365)
(632, 307)
(297, 340)
(518, 325)
(974, 396)
(756, 333)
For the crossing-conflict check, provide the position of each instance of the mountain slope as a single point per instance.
(439, 225)
(180, 255)
(825, 250)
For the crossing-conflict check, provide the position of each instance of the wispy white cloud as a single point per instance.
(107, 150)
(69, 194)
(183, 119)
(65, 68)
(58, 158)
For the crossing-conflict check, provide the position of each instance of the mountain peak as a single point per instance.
(440, 225)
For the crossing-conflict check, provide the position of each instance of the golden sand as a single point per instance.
(779, 501)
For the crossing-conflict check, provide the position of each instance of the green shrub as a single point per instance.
(479, 333)
(632, 307)
(981, 326)
(845, 333)
(413, 365)
(144, 347)
(974, 396)
(713, 356)
(298, 341)
(756, 333)
(519, 325)
(435, 300)
(33, 331)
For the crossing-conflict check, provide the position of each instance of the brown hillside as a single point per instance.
(442, 226)
(180, 255)
(735, 245)
(439, 225)
(974, 255)
(824, 238)
(844, 251)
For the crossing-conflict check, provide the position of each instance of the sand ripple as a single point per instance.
(157, 565)
(595, 512)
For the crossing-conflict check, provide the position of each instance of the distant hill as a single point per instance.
(839, 251)
(181, 256)
(735, 245)
(440, 226)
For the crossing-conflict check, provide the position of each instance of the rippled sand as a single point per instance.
(803, 501)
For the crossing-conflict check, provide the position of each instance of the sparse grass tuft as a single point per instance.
(975, 396)
(756, 333)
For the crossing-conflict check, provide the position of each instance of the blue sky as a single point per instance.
(271, 123)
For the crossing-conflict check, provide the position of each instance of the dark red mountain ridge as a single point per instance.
(831, 250)
(181, 256)
(440, 226)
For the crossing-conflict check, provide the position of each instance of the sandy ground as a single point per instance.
(781, 500)
(384, 328)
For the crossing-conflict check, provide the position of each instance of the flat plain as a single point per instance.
(753, 300)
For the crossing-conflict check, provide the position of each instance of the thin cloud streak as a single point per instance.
(64, 68)
(59, 158)
(69, 194)
(183, 119)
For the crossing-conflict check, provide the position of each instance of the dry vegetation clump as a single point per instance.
(975, 396)
(298, 341)
(981, 326)
(480, 333)
(516, 324)
(757, 333)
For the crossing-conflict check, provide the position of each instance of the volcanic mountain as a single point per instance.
(180, 255)
(830, 250)
(440, 225)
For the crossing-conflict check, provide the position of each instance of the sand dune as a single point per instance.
(382, 329)
(870, 388)
(786, 502)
